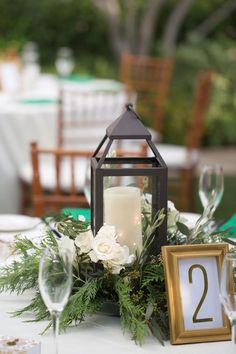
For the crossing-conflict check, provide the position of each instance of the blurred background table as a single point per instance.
(32, 115)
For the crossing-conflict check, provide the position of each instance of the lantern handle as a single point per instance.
(129, 106)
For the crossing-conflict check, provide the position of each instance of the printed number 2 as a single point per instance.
(190, 278)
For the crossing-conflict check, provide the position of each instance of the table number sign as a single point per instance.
(192, 283)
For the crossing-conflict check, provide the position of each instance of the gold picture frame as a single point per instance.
(192, 284)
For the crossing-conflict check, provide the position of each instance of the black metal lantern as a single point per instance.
(121, 185)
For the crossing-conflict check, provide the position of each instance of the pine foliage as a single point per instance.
(138, 290)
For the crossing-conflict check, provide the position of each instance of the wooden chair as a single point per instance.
(63, 184)
(82, 119)
(84, 116)
(150, 78)
(182, 160)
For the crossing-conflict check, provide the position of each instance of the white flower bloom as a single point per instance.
(85, 241)
(93, 256)
(104, 247)
(172, 217)
(121, 258)
(65, 243)
(171, 205)
(81, 218)
(107, 231)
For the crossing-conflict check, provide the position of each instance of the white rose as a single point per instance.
(81, 218)
(84, 241)
(65, 243)
(103, 249)
(120, 259)
(107, 231)
(172, 217)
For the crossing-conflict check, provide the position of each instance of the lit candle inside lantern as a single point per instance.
(122, 208)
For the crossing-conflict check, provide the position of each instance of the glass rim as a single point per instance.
(213, 165)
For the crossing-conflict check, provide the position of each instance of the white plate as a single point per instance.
(191, 219)
(16, 222)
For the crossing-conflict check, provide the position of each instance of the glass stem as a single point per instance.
(233, 331)
(55, 323)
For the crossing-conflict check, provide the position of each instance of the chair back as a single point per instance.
(149, 77)
(201, 100)
(84, 116)
(64, 183)
(63, 190)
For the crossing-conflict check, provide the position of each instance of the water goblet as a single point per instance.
(228, 289)
(55, 280)
(211, 188)
(64, 61)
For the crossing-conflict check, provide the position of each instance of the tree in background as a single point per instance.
(199, 34)
(132, 24)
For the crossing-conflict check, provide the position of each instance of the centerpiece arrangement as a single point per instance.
(117, 264)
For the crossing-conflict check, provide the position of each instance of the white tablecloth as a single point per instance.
(99, 334)
(22, 122)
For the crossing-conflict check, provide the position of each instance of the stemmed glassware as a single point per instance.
(228, 289)
(64, 61)
(55, 280)
(211, 189)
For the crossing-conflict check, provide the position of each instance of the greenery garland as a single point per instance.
(138, 289)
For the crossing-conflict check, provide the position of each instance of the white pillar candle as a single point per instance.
(122, 208)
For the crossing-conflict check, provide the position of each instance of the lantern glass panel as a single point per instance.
(128, 198)
(125, 200)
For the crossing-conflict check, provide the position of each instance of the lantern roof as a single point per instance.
(128, 126)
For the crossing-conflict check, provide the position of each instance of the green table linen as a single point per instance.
(75, 212)
(230, 223)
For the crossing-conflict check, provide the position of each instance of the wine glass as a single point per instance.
(55, 280)
(228, 289)
(211, 188)
(31, 67)
(64, 61)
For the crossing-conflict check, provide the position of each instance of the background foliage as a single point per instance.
(80, 25)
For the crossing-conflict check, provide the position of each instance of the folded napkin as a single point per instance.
(38, 101)
(75, 212)
(77, 78)
(230, 223)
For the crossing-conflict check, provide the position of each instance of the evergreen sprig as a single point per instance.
(37, 307)
(21, 274)
(137, 290)
(82, 302)
(132, 314)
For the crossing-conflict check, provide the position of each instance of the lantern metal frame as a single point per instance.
(129, 126)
